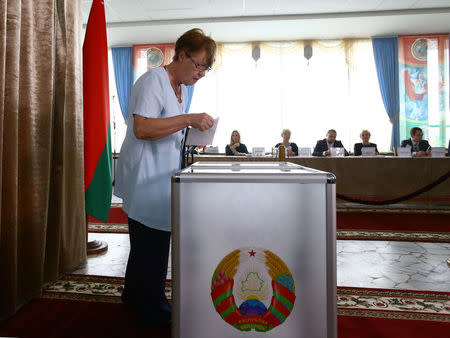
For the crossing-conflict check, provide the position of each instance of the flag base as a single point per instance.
(96, 247)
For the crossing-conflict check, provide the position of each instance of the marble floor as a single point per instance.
(369, 264)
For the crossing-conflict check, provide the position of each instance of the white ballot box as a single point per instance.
(253, 251)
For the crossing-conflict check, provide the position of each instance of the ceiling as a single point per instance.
(149, 21)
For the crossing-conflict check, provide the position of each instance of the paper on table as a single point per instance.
(196, 137)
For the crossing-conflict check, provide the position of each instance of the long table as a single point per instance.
(374, 178)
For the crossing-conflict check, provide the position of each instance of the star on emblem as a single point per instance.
(252, 253)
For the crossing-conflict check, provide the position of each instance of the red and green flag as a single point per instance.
(97, 137)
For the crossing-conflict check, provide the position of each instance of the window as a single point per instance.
(337, 88)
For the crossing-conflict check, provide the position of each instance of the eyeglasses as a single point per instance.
(199, 66)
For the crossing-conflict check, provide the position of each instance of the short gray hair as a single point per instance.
(285, 131)
(365, 131)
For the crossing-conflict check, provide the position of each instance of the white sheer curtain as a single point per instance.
(337, 89)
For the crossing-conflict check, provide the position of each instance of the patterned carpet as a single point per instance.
(90, 307)
(358, 234)
(390, 235)
(361, 302)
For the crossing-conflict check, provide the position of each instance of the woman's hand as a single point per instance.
(200, 121)
(234, 146)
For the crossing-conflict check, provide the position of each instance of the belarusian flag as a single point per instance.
(97, 137)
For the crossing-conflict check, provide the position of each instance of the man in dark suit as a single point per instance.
(419, 147)
(323, 147)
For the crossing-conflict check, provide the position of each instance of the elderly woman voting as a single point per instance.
(150, 154)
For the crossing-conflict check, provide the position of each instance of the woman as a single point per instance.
(292, 149)
(150, 154)
(235, 147)
(365, 137)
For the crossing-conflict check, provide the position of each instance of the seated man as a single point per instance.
(322, 147)
(419, 147)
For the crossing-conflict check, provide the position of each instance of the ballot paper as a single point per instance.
(196, 137)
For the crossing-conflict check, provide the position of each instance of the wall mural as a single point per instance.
(423, 67)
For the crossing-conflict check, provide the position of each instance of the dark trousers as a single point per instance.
(146, 273)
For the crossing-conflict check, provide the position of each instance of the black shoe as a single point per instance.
(128, 300)
(162, 319)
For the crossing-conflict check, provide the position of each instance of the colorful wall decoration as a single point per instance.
(146, 57)
(424, 95)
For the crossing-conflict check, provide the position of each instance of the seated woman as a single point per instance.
(365, 137)
(236, 147)
(292, 149)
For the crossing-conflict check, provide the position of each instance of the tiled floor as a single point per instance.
(370, 264)
(393, 265)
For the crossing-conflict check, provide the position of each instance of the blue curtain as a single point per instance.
(385, 51)
(190, 90)
(123, 71)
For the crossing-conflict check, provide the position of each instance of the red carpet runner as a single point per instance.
(90, 306)
(420, 227)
